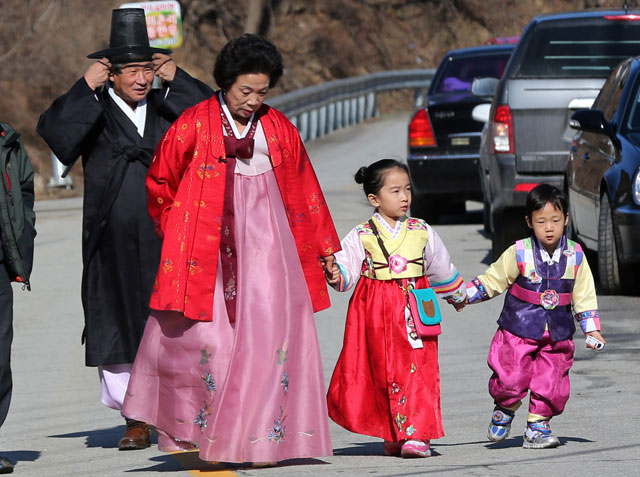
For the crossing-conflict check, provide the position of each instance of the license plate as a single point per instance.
(459, 141)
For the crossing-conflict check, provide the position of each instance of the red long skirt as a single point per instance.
(382, 386)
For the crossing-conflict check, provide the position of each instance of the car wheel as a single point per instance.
(608, 265)
(486, 209)
(508, 227)
(486, 217)
(426, 208)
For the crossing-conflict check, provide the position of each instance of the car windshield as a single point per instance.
(459, 73)
(589, 47)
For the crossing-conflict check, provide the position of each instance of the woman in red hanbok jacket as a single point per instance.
(229, 362)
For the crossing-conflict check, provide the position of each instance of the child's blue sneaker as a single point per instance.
(500, 424)
(538, 436)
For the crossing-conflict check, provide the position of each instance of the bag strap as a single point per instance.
(380, 242)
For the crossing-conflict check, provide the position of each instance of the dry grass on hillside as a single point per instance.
(45, 43)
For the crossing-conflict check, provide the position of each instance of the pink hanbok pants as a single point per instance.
(541, 366)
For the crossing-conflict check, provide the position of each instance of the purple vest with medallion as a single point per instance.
(541, 295)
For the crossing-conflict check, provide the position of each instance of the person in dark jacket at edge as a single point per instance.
(113, 119)
(17, 231)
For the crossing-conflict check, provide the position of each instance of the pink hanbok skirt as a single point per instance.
(249, 392)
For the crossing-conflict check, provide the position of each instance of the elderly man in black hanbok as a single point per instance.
(113, 119)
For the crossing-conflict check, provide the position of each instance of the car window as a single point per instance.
(607, 88)
(459, 73)
(633, 120)
(586, 47)
(616, 93)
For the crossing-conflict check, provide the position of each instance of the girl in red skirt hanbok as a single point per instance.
(387, 383)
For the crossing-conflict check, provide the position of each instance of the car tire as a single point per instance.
(509, 226)
(486, 215)
(427, 209)
(608, 265)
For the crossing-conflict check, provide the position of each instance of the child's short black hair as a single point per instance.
(372, 177)
(543, 193)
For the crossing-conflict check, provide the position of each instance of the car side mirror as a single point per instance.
(591, 120)
(484, 87)
(481, 112)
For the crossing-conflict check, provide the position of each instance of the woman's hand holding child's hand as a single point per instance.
(331, 270)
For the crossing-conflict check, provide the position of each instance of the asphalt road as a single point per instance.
(57, 426)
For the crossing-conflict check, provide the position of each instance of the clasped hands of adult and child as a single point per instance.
(332, 274)
(98, 73)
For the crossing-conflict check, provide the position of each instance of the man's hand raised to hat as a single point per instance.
(164, 67)
(98, 73)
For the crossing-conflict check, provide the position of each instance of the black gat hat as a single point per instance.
(129, 39)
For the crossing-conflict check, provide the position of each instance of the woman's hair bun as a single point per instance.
(359, 175)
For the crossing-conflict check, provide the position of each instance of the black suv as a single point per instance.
(558, 67)
(444, 140)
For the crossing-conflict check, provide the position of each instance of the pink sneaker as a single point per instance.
(413, 448)
(392, 448)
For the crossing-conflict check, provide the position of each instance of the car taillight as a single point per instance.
(503, 130)
(420, 131)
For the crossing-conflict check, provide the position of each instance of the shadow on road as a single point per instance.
(517, 442)
(21, 456)
(105, 438)
(364, 448)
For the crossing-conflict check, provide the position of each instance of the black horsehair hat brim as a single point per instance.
(124, 54)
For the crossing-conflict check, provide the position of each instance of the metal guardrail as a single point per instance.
(322, 109)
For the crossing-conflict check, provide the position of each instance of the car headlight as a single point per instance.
(635, 189)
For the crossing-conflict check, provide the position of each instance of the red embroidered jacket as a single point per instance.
(186, 184)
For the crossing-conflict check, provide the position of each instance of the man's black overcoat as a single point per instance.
(120, 249)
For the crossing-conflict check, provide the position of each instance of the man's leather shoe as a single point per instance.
(136, 436)
(6, 467)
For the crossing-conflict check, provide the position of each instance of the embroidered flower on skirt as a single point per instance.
(285, 381)
(549, 299)
(278, 432)
(535, 278)
(400, 420)
(397, 263)
(201, 418)
(204, 359)
(410, 430)
(395, 388)
(209, 382)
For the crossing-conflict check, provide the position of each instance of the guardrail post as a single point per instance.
(418, 97)
(322, 121)
(362, 103)
(331, 117)
(371, 105)
(57, 168)
(339, 115)
(313, 124)
(304, 126)
(353, 112)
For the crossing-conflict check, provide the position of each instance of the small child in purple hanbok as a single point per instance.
(532, 351)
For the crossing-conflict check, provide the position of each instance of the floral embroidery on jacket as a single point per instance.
(397, 263)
